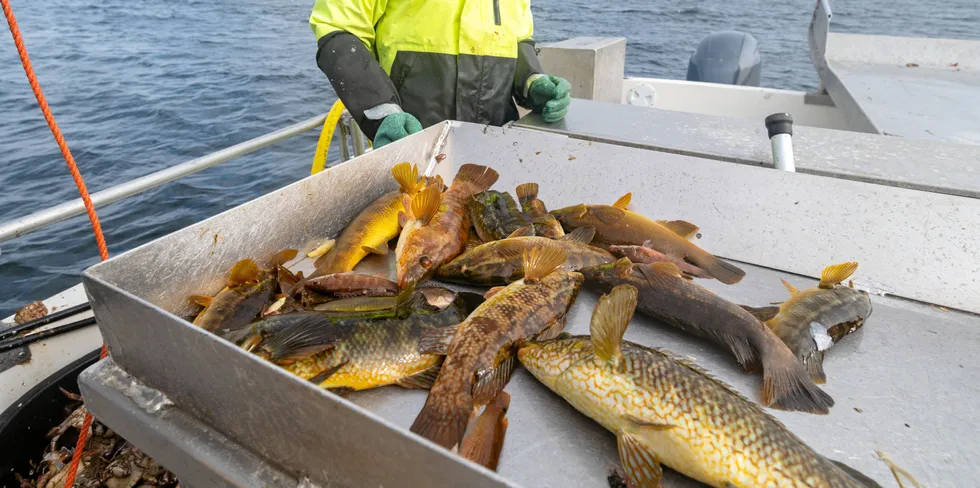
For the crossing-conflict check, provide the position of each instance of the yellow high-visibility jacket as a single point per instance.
(437, 59)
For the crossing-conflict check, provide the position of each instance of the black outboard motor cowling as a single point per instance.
(728, 57)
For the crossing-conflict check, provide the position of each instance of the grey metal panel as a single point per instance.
(914, 244)
(933, 166)
(907, 366)
(926, 89)
(921, 102)
(189, 448)
(301, 429)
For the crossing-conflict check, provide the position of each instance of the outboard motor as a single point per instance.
(728, 57)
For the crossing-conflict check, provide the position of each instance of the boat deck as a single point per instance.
(916, 88)
(933, 166)
(23, 368)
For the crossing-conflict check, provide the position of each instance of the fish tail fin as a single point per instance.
(443, 421)
(477, 177)
(722, 270)
(527, 192)
(486, 440)
(283, 257)
(786, 384)
(814, 367)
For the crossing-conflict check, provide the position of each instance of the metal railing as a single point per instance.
(39, 220)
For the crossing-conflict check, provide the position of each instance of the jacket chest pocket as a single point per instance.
(401, 68)
(496, 12)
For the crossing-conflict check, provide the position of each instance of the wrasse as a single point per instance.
(666, 411)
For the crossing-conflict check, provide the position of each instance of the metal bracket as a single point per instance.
(817, 37)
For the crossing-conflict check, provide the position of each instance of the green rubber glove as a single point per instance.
(550, 96)
(395, 127)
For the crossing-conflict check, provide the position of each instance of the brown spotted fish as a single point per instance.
(480, 351)
(615, 225)
(444, 235)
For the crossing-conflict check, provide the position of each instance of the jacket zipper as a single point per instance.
(496, 12)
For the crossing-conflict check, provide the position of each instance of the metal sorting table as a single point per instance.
(936, 166)
(910, 87)
(218, 416)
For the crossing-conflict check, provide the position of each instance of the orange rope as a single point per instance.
(79, 182)
(22, 51)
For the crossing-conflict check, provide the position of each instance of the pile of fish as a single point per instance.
(351, 326)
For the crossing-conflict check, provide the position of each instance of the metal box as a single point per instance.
(903, 384)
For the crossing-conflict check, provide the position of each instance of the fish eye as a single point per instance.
(425, 262)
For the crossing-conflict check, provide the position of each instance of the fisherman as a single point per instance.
(401, 65)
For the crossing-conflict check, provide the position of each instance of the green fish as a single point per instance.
(495, 215)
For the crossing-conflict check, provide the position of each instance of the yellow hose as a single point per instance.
(326, 135)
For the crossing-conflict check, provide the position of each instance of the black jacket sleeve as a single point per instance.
(527, 65)
(356, 77)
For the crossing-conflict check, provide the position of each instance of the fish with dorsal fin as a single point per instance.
(667, 296)
(480, 351)
(247, 292)
(500, 262)
(545, 224)
(616, 225)
(357, 351)
(495, 215)
(667, 411)
(371, 230)
(814, 319)
(444, 234)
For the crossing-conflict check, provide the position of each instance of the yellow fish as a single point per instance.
(667, 411)
(371, 230)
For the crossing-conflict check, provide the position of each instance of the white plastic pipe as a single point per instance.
(782, 152)
(780, 127)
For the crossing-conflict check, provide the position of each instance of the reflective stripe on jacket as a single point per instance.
(439, 59)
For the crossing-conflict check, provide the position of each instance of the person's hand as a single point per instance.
(550, 96)
(395, 127)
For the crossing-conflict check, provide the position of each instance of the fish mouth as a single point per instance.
(410, 277)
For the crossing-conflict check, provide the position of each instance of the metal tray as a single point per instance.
(902, 384)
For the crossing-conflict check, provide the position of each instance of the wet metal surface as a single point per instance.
(903, 384)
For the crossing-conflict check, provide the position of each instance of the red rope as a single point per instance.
(79, 182)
